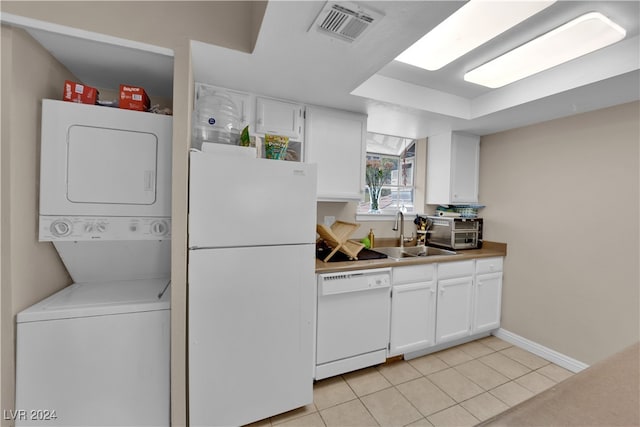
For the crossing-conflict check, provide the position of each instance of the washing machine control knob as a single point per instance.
(101, 227)
(61, 228)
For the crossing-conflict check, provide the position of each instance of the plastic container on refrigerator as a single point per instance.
(216, 118)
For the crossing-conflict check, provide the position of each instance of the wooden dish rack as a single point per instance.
(337, 238)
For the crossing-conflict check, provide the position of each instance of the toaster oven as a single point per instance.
(454, 232)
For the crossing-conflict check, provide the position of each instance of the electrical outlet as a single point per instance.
(328, 220)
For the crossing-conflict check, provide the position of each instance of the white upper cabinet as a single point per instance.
(336, 141)
(453, 168)
(278, 117)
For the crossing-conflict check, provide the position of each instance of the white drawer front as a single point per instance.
(489, 265)
(448, 270)
(413, 273)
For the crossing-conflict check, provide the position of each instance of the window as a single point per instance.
(394, 158)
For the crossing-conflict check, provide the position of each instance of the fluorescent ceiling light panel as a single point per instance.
(583, 35)
(474, 24)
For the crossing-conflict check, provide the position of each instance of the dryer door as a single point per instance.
(111, 166)
(101, 161)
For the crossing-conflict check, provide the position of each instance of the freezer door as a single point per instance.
(250, 333)
(237, 201)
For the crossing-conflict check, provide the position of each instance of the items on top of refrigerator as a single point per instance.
(216, 118)
(275, 146)
(245, 139)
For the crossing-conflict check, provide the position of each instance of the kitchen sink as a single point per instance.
(412, 251)
(392, 252)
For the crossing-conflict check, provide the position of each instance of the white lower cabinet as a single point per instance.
(413, 315)
(433, 304)
(487, 299)
(413, 308)
(455, 283)
(454, 309)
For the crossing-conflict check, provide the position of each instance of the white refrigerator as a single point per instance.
(250, 287)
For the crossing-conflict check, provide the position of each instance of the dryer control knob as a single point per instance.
(60, 228)
(159, 228)
(101, 227)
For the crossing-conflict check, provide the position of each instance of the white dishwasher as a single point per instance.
(352, 328)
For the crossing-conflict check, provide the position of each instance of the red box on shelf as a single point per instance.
(76, 92)
(134, 98)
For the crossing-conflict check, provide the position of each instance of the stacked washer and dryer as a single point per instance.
(97, 353)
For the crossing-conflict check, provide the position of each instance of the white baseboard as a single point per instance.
(414, 354)
(559, 359)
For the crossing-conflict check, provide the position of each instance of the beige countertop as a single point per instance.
(489, 249)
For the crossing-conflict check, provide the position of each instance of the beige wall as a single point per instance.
(564, 195)
(231, 24)
(30, 270)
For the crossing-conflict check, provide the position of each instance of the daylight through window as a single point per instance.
(390, 171)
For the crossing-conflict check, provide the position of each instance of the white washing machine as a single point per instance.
(97, 353)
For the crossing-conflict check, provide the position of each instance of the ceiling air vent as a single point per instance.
(345, 21)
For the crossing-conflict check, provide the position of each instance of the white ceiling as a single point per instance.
(291, 62)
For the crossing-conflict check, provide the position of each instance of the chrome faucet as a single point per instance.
(395, 227)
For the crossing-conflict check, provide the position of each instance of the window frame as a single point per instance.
(390, 213)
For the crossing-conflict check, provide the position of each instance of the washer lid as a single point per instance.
(100, 299)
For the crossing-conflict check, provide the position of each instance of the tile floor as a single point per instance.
(460, 386)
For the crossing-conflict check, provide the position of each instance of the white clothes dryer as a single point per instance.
(101, 161)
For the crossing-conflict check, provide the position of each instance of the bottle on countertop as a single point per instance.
(371, 237)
